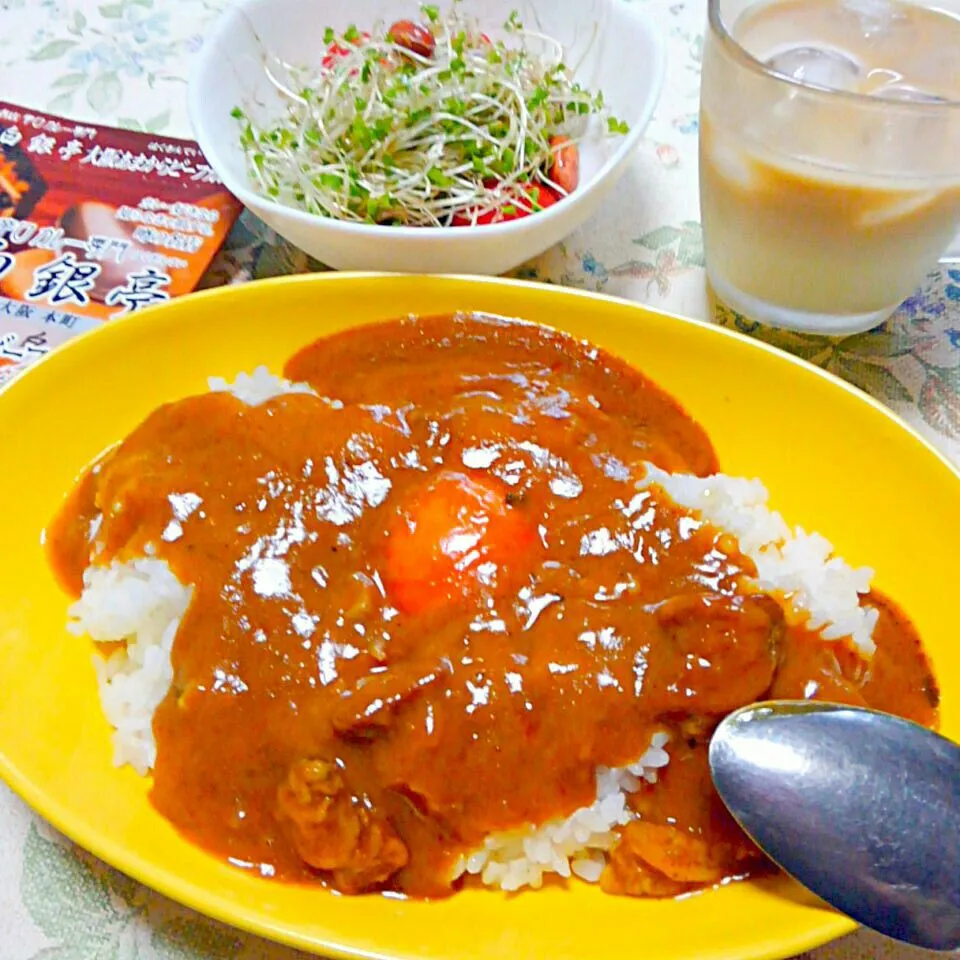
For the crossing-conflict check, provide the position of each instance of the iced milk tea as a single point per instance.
(829, 156)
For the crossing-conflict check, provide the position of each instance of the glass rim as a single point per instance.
(748, 60)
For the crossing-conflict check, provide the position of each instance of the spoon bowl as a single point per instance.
(861, 807)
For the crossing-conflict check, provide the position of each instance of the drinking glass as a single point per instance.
(824, 208)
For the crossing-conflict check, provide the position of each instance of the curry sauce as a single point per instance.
(430, 600)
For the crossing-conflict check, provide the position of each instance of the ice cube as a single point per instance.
(875, 17)
(730, 163)
(899, 208)
(820, 66)
(904, 91)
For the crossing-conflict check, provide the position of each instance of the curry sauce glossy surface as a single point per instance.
(430, 600)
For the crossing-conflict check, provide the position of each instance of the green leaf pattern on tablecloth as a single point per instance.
(97, 56)
(72, 907)
(53, 50)
(911, 363)
(90, 912)
(105, 93)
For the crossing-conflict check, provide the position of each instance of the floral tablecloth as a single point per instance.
(125, 62)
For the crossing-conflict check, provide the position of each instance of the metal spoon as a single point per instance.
(861, 807)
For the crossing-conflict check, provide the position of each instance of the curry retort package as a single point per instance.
(95, 224)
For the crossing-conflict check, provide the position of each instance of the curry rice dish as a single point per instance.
(460, 600)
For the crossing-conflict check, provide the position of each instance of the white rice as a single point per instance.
(574, 845)
(258, 387)
(817, 586)
(141, 602)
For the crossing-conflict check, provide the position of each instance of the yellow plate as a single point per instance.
(833, 460)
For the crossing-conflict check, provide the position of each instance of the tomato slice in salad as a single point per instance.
(336, 51)
(531, 199)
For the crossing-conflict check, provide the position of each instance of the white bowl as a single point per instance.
(611, 45)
